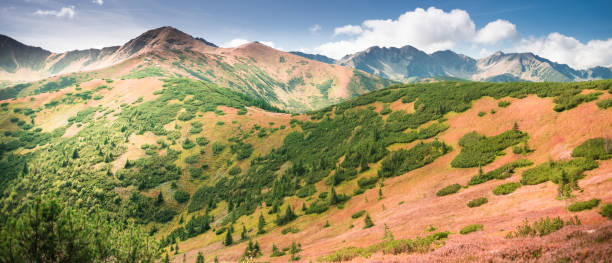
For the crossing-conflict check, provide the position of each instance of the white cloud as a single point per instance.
(429, 30)
(268, 43)
(568, 50)
(99, 2)
(64, 12)
(315, 28)
(348, 30)
(495, 31)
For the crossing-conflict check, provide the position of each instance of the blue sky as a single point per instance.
(572, 32)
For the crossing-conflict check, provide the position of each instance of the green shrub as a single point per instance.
(477, 202)
(290, 229)
(604, 104)
(506, 188)
(185, 116)
(202, 141)
(306, 191)
(235, 170)
(317, 207)
(606, 211)
(188, 144)
(358, 214)
(596, 149)
(367, 182)
(503, 103)
(181, 196)
(242, 112)
(191, 159)
(471, 228)
(217, 148)
(481, 113)
(195, 172)
(451, 189)
(584, 205)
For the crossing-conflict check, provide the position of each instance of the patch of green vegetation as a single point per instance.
(188, 144)
(606, 211)
(480, 150)
(503, 103)
(541, 227)
(570, 100)
(51, 86)
(149, 172)
(507, 188)
(202, 141)
(604, 104)
(358, 214)
(403, 161)
(306, 191)
(451, 189)
(181, 196)
(481, 113)
(145, 73)
(191, 159)
(502, 172)
(584, 205)
(596, 149)
(432, 130)
(388, 247)
(290, 229)
(470, 228)
(477, 202)
(557, 170)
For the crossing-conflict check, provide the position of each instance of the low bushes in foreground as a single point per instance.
(393, 247)
(542, 227)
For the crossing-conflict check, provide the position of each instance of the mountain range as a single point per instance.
(410, 64)
(283, 79)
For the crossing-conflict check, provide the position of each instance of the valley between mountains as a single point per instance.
(169, 148)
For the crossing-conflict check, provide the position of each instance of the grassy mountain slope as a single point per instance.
(221, 159)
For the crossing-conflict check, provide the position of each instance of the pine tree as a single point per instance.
(333, 197)
(176, 249)
(167, 259)
(25, 169)
(160, 199)
(200, 258)
(75, 154)
(228, 239)
(243, 235)
(304, 208)
(380, 193)
(261, 225)
(326, 224)
(368, 222)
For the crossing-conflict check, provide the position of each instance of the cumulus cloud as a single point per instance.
(568, 50)
(99, 2)
(495, 31)
(348, 30)
(315, 28)
(430, 30)
(64, 12)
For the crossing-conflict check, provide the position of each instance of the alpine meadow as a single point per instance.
(471, 131)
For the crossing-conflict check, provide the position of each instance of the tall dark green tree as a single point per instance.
(243, 235)
(228, 241)
(200, 258)
(261, 225)
(367, 221)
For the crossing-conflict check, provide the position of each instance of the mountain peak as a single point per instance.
(163, 38)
